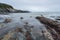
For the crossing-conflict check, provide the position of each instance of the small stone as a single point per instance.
(21, 17)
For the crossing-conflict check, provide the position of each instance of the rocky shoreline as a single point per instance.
(24, 29)
(52, 26)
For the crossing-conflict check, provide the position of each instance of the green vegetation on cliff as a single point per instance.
(2, 5)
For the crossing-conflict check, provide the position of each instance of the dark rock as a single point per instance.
(51, 25)
(21, 17)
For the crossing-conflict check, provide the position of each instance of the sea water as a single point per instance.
(27, 17)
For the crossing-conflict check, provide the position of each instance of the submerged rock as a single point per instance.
(7, 20)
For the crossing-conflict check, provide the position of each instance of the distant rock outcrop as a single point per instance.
(5, 8)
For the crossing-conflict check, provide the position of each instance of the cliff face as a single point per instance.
(5, 8)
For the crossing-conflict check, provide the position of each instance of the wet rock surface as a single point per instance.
(24, 28)
(52, 26)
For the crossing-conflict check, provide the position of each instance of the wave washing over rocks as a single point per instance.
(23, 27)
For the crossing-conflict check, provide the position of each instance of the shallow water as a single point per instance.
(27, 17)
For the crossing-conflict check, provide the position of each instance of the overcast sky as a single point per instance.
(34, 5)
